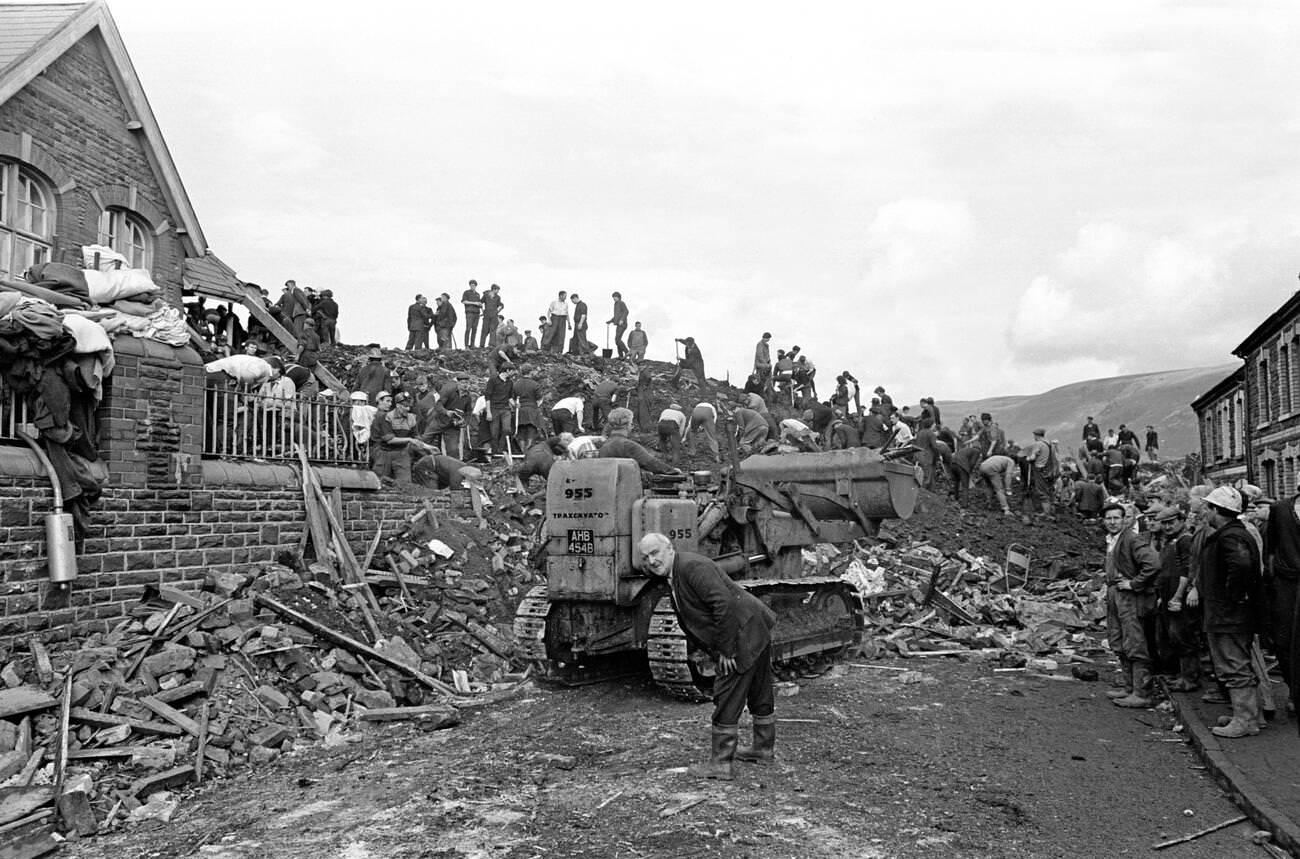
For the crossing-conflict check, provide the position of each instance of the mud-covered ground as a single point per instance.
(916, 758)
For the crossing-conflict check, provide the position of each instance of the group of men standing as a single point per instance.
(486, 327)
(1217, 576)
(1112, 460)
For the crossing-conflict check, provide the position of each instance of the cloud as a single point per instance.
(1146, 301)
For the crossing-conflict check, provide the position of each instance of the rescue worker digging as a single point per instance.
(735, 628)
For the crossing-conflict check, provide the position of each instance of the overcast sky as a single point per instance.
(953, 199)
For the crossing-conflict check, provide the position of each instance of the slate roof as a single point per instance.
(23, 26)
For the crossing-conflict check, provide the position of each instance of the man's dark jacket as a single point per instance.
(724, 618)
(1230, 580)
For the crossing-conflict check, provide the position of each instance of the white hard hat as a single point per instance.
(1225, 497)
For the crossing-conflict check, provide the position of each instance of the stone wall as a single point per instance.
(174, 537)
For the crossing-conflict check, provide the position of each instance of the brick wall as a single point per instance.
(141, 536)
(151, 417)
(77, 123)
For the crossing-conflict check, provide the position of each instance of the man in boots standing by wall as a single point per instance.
(1230, 593)
(735, 628)
(1131, 568)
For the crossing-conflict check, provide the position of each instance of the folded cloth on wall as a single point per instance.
(90, 335)
(60, 277)
(58, 299)
(41, 318)
(168, 325)
(106, 286)
(137, 308)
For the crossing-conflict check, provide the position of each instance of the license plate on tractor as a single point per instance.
(582, 541)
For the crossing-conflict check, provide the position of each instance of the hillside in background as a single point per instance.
(1159, 399)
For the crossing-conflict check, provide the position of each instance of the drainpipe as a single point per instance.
(59, 539)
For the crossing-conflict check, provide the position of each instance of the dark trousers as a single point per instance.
(732, 693)
(418, 339)
(471, 329)
(555, 340)
(1230, 653)
(444, 338)
(618, 338)
(489, 335)
(501, 426)
(670, 440)
(328, 331)
(563, 420)
(1281, 600)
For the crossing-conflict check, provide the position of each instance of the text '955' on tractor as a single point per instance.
(599, 609)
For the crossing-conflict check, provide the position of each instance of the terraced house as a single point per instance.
(1250, 422)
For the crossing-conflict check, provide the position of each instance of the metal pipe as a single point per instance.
(60, 541)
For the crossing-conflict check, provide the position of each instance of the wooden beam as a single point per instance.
(256, 306)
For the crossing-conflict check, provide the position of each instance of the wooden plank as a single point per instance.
(24, 699)
(175, 595)
(31, 845)
(61, 755)
(374, 546)
(44, 670)
(202, 751)
(171, 714)
(443, 715)
(352, 644)
(256, 306)
(153, 639)
(16, 802)
(101, 754)
(28, 820)
(108, 720)
(161, 781)
(180, 693)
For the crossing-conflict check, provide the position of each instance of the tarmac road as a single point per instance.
(915, 758)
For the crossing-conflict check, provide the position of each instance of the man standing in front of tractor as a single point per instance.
(735, 628)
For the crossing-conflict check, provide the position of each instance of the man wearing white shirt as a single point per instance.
(704, 417)
(566, 415)
(672, 428)
(558, 312)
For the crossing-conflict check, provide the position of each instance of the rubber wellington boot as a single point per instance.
(1126, 668)
(721, 754)
(1189, 673)
(1140, 698)
(1216, 694)
(1245, 714)
(764, 741)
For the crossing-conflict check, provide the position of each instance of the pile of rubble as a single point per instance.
(922, 602)
(256, 664)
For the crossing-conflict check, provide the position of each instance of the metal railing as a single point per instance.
(244, 425)
(14, 413)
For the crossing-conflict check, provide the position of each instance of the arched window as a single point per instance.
(26, 219)
(127, 233)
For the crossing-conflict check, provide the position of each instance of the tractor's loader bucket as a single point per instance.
(831, 483)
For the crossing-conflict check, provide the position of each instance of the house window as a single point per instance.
(1270, 478)
(1262, 385)
(1284, 379)
(127, 233)
(26, 219)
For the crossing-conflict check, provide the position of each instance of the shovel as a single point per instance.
(606, 352)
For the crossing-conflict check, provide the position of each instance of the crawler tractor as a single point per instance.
(599, 609)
